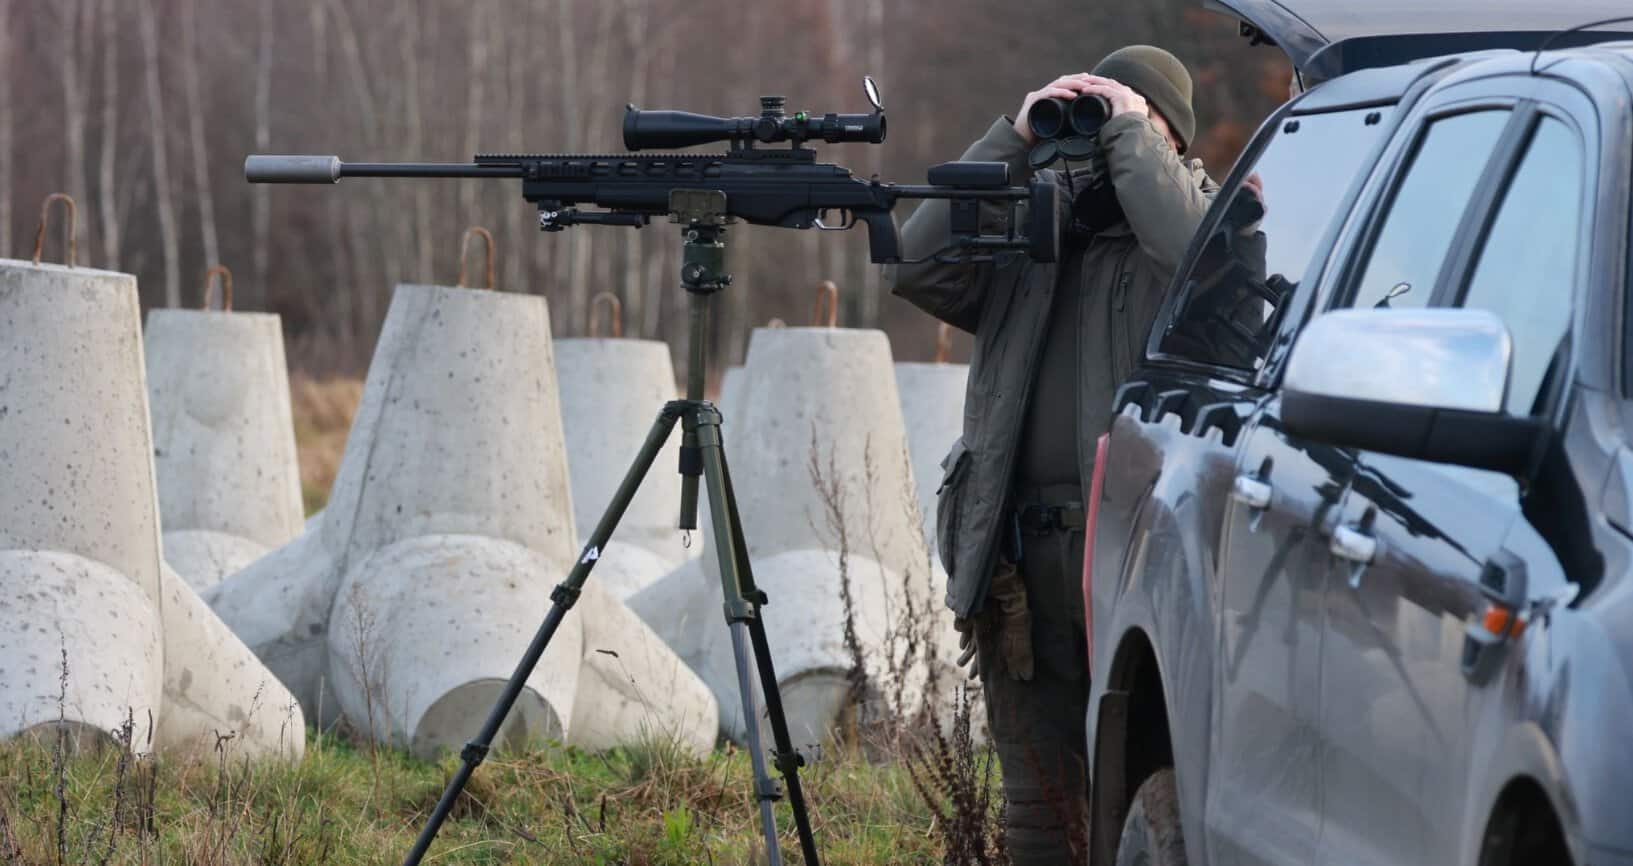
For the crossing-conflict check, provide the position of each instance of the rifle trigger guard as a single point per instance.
(846, 220)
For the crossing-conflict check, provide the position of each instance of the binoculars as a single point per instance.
(1054, 118)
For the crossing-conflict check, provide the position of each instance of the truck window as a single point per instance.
(1411, 244)
(1527, 263)
(1239, 284)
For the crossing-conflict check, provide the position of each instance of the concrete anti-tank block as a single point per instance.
(633, 688)
(458, 433)
(53, 603)
(426, 631)
(823, 400)
(203, 557)
(611, 391)
(213, 685)
(74, 420)
(80, 566)
(933, 406)
(224, 440)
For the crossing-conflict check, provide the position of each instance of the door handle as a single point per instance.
(1251, 491)
(1357, 545)
(1354, 545)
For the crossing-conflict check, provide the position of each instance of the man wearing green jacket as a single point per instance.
(1052, 344)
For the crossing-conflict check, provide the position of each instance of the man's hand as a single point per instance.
(1065, 87)
(1123, 99)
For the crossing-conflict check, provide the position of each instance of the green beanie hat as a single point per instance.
(1161, 79)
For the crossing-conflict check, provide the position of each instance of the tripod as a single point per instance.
(702, 216)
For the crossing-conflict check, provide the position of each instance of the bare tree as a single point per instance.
(107, 188)
(195, 134)
(261, 196)
(7, 82)
(73, 98)
(161, 165)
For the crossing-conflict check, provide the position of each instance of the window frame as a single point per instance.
(1246, 164)
(1382, 207)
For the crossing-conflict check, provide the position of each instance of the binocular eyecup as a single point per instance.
(1055, 118)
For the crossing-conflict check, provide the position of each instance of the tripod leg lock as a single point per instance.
(767, 789)
(564, 595)
(691, 461)
(788, 762)
(474, 753)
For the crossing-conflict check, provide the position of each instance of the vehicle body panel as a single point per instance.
(1410, 747)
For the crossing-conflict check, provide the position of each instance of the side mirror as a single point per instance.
(1428, 384)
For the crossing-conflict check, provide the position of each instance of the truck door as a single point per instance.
(1262, 785)
(1485, 213)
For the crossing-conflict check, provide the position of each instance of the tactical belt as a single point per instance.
(1039, 519)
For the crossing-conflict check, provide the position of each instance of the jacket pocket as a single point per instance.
(954, 472)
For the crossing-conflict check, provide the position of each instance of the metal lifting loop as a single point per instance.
(464, 247)
(944, 342)
(827, 293)
(226, 287)
(616, 310)
(71, 230)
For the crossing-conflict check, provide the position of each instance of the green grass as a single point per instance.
(343, 805)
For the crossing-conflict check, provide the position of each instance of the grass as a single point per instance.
(645, 805)
(323, 411)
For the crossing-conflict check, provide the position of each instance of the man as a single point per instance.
(1052, 344)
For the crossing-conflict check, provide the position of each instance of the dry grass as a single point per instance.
(651, 804)
(323, 410)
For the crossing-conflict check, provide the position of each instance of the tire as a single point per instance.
(1151, 834)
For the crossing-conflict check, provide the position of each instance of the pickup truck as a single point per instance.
(1360, 577)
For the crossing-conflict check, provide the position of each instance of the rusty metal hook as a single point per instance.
(616, 311)
(464, 247)
(71, 230)
(827, 293)
(944, 342)
(226, 287)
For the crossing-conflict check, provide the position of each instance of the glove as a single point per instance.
(1006, 619)
(966, 644)
(1012, 620)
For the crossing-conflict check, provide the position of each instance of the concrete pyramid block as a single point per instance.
(679, 608)
(818, 453)
(458, 434)
(80, 568)
(214, 686)
(633, 688)
(426, 631)
(611, 391)
(933, 406)
(60, 609)
(224, 440)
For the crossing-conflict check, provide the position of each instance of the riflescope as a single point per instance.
(649, 130)
(1055, 118)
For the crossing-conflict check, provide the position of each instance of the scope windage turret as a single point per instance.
(658, 130)
(1054, 118)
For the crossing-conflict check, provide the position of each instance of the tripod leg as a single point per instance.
(562, 599)
(742, 602)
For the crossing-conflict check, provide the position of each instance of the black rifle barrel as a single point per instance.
(265, 168)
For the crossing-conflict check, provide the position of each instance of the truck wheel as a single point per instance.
(1151, 835)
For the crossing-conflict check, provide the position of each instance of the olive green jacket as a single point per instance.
(1123, 273)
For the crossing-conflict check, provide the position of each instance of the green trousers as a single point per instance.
(1037, 724)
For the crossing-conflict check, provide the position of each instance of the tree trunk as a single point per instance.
(73, 99)
(161, 165)
(634, 292)
(107, 198)
(195, 134)
(414, 123)
(261, 195)
(7, 80)
(572, 318)
(476, 92)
